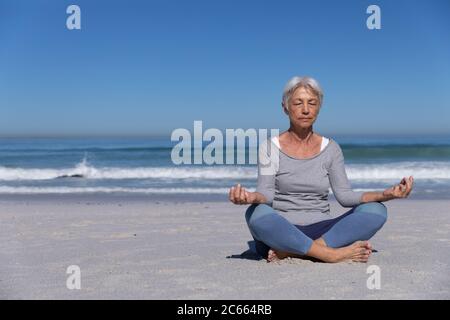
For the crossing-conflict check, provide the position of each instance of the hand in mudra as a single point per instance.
(401, 190)
(238, 195)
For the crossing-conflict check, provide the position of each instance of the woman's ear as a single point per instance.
(284, 108)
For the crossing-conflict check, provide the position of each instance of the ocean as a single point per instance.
(143, 166)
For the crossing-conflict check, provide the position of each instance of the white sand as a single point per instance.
(130, 249)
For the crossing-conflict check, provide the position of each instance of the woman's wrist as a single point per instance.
(259, 198)
(372, 196)
(386, 197)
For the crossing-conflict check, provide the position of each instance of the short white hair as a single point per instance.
(301, 82)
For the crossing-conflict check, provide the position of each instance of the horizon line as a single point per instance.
(168, 135)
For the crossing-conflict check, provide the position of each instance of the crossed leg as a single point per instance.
(334, 240)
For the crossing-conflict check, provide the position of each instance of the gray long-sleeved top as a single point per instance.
(298, 188)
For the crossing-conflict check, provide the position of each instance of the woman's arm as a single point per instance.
(401, 190)
(339, 182)
(347, 197)
(265, 189)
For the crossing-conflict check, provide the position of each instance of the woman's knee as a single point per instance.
(256, 211)
(377, 212)
(373, 207)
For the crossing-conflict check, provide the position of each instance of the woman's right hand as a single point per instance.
(238, 195)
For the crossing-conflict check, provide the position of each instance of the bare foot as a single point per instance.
(274, 255)
(358, 251)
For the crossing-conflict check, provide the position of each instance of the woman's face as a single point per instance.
(303, 108)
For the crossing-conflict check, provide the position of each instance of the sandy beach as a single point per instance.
(144, 248)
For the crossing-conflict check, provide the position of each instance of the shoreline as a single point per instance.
(175, 197)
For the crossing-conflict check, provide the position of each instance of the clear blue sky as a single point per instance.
(148, 67)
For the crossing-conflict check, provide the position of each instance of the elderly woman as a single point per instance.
(289, 213)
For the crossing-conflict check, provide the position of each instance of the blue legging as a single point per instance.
(271, 230)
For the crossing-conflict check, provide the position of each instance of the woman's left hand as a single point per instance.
(401, 190)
